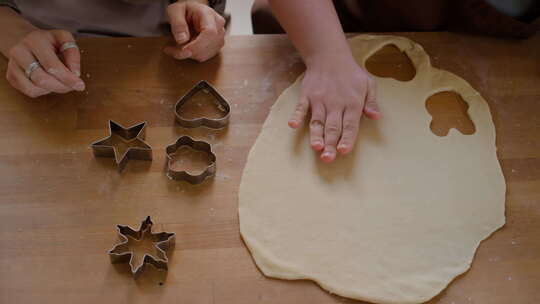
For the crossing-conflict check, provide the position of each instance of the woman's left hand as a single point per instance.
(198, 30)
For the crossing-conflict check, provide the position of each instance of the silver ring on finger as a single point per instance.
(68, 45)
(31, 68)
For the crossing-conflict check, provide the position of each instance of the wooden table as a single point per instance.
(59, 205)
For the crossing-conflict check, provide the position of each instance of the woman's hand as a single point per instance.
(198, 30)
(59, 63)
(337, 94)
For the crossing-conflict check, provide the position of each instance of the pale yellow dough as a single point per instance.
(395, 221)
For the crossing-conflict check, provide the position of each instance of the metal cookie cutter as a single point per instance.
(221, 103)
(121, 253)
(203, 146)
(133, 137)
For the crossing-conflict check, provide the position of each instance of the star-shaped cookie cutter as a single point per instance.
(120, 253)
(133, 136)
(203, 146)
(221, 103)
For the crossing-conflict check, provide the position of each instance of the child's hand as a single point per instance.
(191, 17)
(42, 62)
(337, 94)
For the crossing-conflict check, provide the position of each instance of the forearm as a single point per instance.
(314, 29)
(12, 28)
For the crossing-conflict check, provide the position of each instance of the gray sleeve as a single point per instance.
(10, 3)
(217, 5)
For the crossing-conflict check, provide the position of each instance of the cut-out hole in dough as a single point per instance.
(389, 61)
(448, 111)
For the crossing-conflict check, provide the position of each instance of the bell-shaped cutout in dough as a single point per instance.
(449, 111)
(389, 61)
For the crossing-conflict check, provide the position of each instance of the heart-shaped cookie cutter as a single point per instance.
(212, 123)
(179, 175)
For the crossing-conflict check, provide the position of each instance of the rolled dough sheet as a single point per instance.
(393, 222)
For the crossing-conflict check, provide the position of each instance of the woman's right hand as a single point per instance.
(59, 67)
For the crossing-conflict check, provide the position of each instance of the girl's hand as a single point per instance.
(198, 30)
(337, 95)
(59, 63)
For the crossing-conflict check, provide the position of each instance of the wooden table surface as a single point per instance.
(59, 205)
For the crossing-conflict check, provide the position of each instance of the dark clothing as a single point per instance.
(100, 17)
(474, 16)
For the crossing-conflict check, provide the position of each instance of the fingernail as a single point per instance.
(187, 53)
(78, 73)
(317, 144)
(374, 110)
(79, 86)
(342, 148)
(184, 54)
(327, 156)
(181, 37)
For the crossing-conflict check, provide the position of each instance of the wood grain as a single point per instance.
(59, 205)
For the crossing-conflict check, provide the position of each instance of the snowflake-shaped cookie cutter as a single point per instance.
(121, 253)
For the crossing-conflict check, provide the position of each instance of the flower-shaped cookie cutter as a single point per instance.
(162, 241)
(179, 175)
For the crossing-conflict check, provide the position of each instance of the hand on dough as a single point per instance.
(337, 94)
